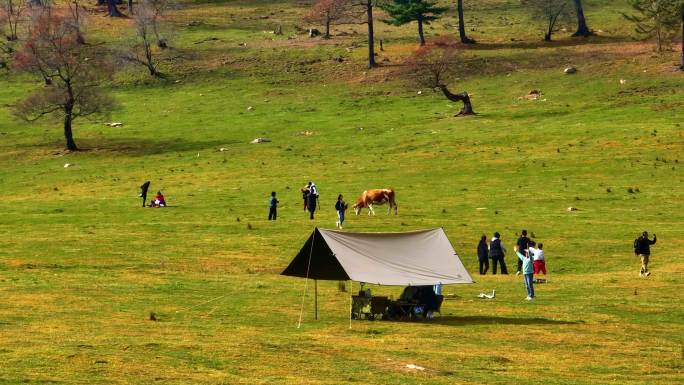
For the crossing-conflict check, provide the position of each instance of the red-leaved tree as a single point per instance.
(73, 73)
(436, 64)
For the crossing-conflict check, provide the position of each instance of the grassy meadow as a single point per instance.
(83, 266)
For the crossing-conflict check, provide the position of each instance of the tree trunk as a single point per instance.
(68, 118)
(113, 11)
(582, 29)
(552, 25)
(461, 25)
(462, 97)
(681, 67)
(420, 31)
(371, 36)
(130, 7)
(327, 26)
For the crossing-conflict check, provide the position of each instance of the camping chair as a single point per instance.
(378, 307)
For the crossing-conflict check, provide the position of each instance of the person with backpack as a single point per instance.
(497, 252)
(483, 255)
(312, 200)
(642, 248)
(341, 206)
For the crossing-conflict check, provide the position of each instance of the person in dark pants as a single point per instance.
(305, 194)
(483, 255)
(497, 252)
(311, 201)
(523, 247)
(143, 192)
(642, 248)
(273, 207)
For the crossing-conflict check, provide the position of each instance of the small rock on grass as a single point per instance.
(261, 140)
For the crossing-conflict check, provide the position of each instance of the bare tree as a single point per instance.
(551, 13)
(433, 66)
(147, 21)
(77, 17)
(328, 12)
(157, 10)
(52, 50)
(11, 14)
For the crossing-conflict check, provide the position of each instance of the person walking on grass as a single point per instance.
(312, 201)
(143, 192)
(273, 207)
(642, 248)
(483, 255)
(341, 207)
(528, 273)
(497, 252)
(522, 247)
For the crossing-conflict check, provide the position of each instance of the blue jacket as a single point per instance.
(528, 265)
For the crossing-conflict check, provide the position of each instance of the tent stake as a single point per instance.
(315, 299)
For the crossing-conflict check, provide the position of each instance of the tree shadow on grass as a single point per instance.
(143, 146)
(137, 146)
(493, 320)
(560, 43)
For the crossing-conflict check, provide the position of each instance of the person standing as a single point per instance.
(483, 255)
(341, 207)
(528, 273)
(273, 206)
(522, 247)
(642, 248)
(538, 258)
(305, 194)
(311, 201)
(497, 252)
(143, 192)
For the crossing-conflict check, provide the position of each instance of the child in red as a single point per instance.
(158, 200)
(538, 258)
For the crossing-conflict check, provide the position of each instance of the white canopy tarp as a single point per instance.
(412, 258)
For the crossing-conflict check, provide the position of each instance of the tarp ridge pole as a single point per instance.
(306, 280)
(351, 293)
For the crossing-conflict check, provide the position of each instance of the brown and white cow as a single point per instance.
(376, 196)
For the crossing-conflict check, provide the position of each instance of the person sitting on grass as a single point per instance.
(158, 201)
(528, 273)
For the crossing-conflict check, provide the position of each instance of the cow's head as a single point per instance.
(358, 206)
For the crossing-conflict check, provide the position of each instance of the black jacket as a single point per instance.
(482, 250)
(495, 249)
(642, 245)
(523, 245)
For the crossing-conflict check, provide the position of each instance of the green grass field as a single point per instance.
(82, 266)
